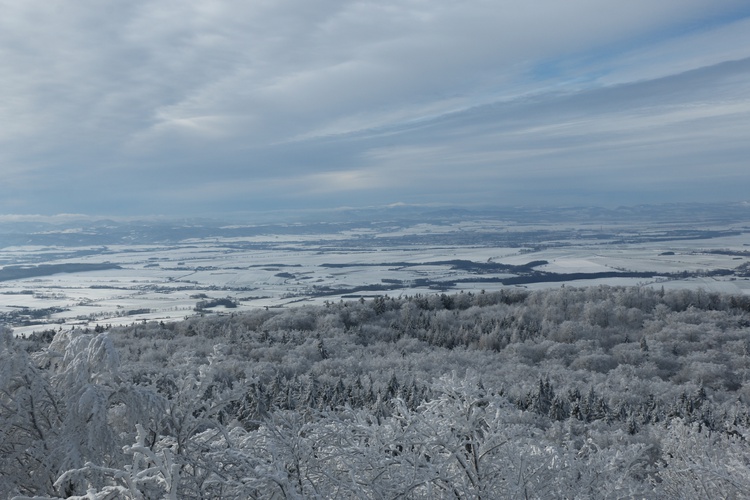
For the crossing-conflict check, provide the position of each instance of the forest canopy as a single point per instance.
(600, 392)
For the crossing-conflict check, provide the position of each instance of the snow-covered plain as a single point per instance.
(165, 281)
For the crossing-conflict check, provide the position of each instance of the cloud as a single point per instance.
(334, 98)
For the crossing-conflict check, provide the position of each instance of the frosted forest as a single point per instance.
(600, 392)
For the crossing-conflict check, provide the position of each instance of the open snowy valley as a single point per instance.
(95, 273)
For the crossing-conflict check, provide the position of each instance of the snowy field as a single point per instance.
(166, 281)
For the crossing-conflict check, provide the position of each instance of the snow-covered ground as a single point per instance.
(164, 282)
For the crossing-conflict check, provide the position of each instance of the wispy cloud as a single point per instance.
(391, 100)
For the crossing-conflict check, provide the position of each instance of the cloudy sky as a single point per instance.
(208, 107)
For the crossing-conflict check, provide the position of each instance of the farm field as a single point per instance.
(81, 274)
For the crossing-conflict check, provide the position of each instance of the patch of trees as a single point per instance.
(743, 270)
(135, 312)
(601, 392)
(456, 264)
(227, 302)
(524, 274)
(544, 277)
(25, 316)
(8, 273)
(738, 253)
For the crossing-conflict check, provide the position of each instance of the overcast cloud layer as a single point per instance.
(173, 107)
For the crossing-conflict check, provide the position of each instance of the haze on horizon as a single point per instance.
(190, 108)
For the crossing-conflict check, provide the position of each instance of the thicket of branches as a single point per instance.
(599, 392)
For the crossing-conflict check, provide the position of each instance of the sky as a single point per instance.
(166, 107)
